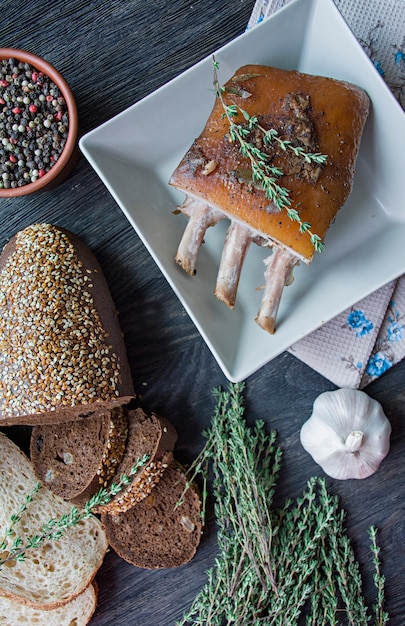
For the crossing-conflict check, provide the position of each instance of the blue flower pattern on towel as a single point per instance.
(397, 70)
(378, 364)
(395, 332)
(383, 355)
(356, 320)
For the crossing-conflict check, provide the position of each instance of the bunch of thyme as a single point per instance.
(55, 528)
(262, 171)
(274, 566)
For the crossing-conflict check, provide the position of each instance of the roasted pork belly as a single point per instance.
(283, 116)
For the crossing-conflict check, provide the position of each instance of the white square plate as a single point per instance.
(135, 153)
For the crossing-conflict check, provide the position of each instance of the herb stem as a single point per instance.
(273, 565)
(380, 615)
(54, 529)
(262, 172)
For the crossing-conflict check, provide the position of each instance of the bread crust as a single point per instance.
(77, 612)
(58, 322)
(58, 571)
(67, 456)
(154, 436)
(168, 524)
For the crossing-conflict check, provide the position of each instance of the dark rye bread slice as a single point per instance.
(62, 349)
(68, 457)
(150, 435)
(76, 460)
(159, 532)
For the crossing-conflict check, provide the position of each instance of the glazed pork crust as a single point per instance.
(317, 114)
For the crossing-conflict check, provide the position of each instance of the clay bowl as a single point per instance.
(67, 159)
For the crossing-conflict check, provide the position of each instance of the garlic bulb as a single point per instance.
(347, 434)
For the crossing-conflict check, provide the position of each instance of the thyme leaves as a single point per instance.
(274, 566)
(262, 171)
(54, 529)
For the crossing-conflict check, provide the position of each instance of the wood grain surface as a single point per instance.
(113, 53)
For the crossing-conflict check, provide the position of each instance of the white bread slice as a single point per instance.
(77, 612)
(61, 569)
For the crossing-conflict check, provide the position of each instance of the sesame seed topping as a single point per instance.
(54, 350)
(115, 449)
(139, 489)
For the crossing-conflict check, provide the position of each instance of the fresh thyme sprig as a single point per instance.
(54, 529)
(381, 616)
(274, 566)
(262, 172)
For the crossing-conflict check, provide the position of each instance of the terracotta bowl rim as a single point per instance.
(47, 68)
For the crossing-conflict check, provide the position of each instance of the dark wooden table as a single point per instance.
(113, 53)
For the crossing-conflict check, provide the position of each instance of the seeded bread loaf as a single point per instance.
(59, 571)
(77, 612)
(164, 529)
(62, 346)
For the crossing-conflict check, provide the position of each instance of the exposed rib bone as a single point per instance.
(279, 265)
(278, 274)
(201, 216)
(237, 242)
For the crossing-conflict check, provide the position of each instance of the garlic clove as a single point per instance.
(348, 434)
(343, 466)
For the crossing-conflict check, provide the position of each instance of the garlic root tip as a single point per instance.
(354, 441)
